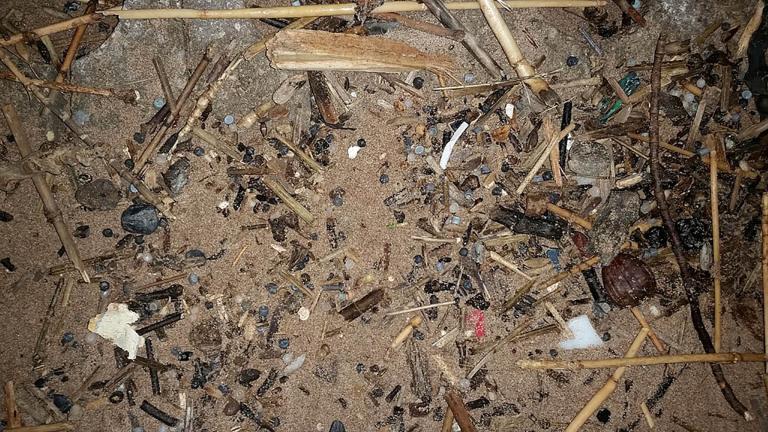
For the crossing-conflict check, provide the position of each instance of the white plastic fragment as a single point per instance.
(449, 146)
(295, 365)
(584, 335)
(509, 110)
(115, 325)
(303, 313)
(353, 151)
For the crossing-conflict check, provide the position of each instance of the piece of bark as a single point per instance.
(420, 383)
(459, 410)
(318, 50)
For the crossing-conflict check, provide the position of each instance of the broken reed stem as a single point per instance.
(608, 388)
(523, 67)
(715, 246)
(324, 10)
(544, 156)
(150, 148)
(128, 96)
(752, 25)
(714, 358)
(459, 410)
(12, 416)
(686, 274)
(657, 343)
(62, 115)
(694, 132)
(290, 201)
(219, 145)
(584, 265)
(53, 427)
(142, 188)
(50, 29)
(74, 45)
(52, 212)
(500, 259)
(165, 84)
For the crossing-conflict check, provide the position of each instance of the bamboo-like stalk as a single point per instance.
(165, 83)
(12, 416)
(51, 29)
(608, 388)
(74, 45)
(508, 43)
(328, 10)
(578, 268)
(62, 115)
(53, 427)
(732, 357)
(657, 343)
(52, 212)
(128, 96)
(694, 132)
(290, 201)
(750, 29)
(422, 26)
(419, 308)
(715, 246)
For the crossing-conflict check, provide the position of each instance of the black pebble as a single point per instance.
(604, 415)
(418, 83)
(337, 426)
(140, 219)
(106, 232)
(83, 231)
(5, 216)
(6, 262)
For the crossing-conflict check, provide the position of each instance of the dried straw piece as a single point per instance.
(608, 388)
(318, 50)
(52, 212)
(732, 357)
(12, 415)
(750, 29)
(714, 206)
(128, 96)
(290, 201)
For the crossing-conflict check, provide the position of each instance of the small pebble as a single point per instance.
(572, 61)
(689, 97)
(67, 338)
(746, 94)
(469, 77)
(701, 83)
(303, 313)
(419, 150)
(455, 220)
(80, 117)
(418, 83)
(229, 119)
(158, 103)
(418, 259)
(106, 232)
(104, 286)
(361, 143)
(283, 343)
(193, 279)
(199, 152)
(384, 179)
(463, 252)
(263, 311)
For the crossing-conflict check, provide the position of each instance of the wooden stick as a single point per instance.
(750, 29)
(715, 244)
(522, 66)
(460, 413)
(447, 425)
(142, 188)
(50, 29)
(422, 26)
(753, 131)
(765, 274)
(290, 201)
(569, 215)
(307, 159)
(647, 415)
(52, 212)
(544, 156)
(165, 84)
(12, 416)
(734, 201)
(732, 357)
(324, 10)
(53, 427)
(618, 90)
(564, 330)
(631, 11)
(694, 132)
(608, 388)
(219, 145)
(657, 343)
(500, 259)
(128, 96)
(150, 148)
(584, 82)
(61, 114)
(470, 42)
(74, 45)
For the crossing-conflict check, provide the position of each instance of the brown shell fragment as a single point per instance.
(628, 280)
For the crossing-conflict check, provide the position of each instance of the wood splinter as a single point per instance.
(460, 413)
(52, 212)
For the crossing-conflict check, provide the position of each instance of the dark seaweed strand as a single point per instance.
(677, 248)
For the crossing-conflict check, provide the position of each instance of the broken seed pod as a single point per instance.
(628, 280)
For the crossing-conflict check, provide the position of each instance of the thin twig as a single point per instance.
(713, 358)
(677, 247)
